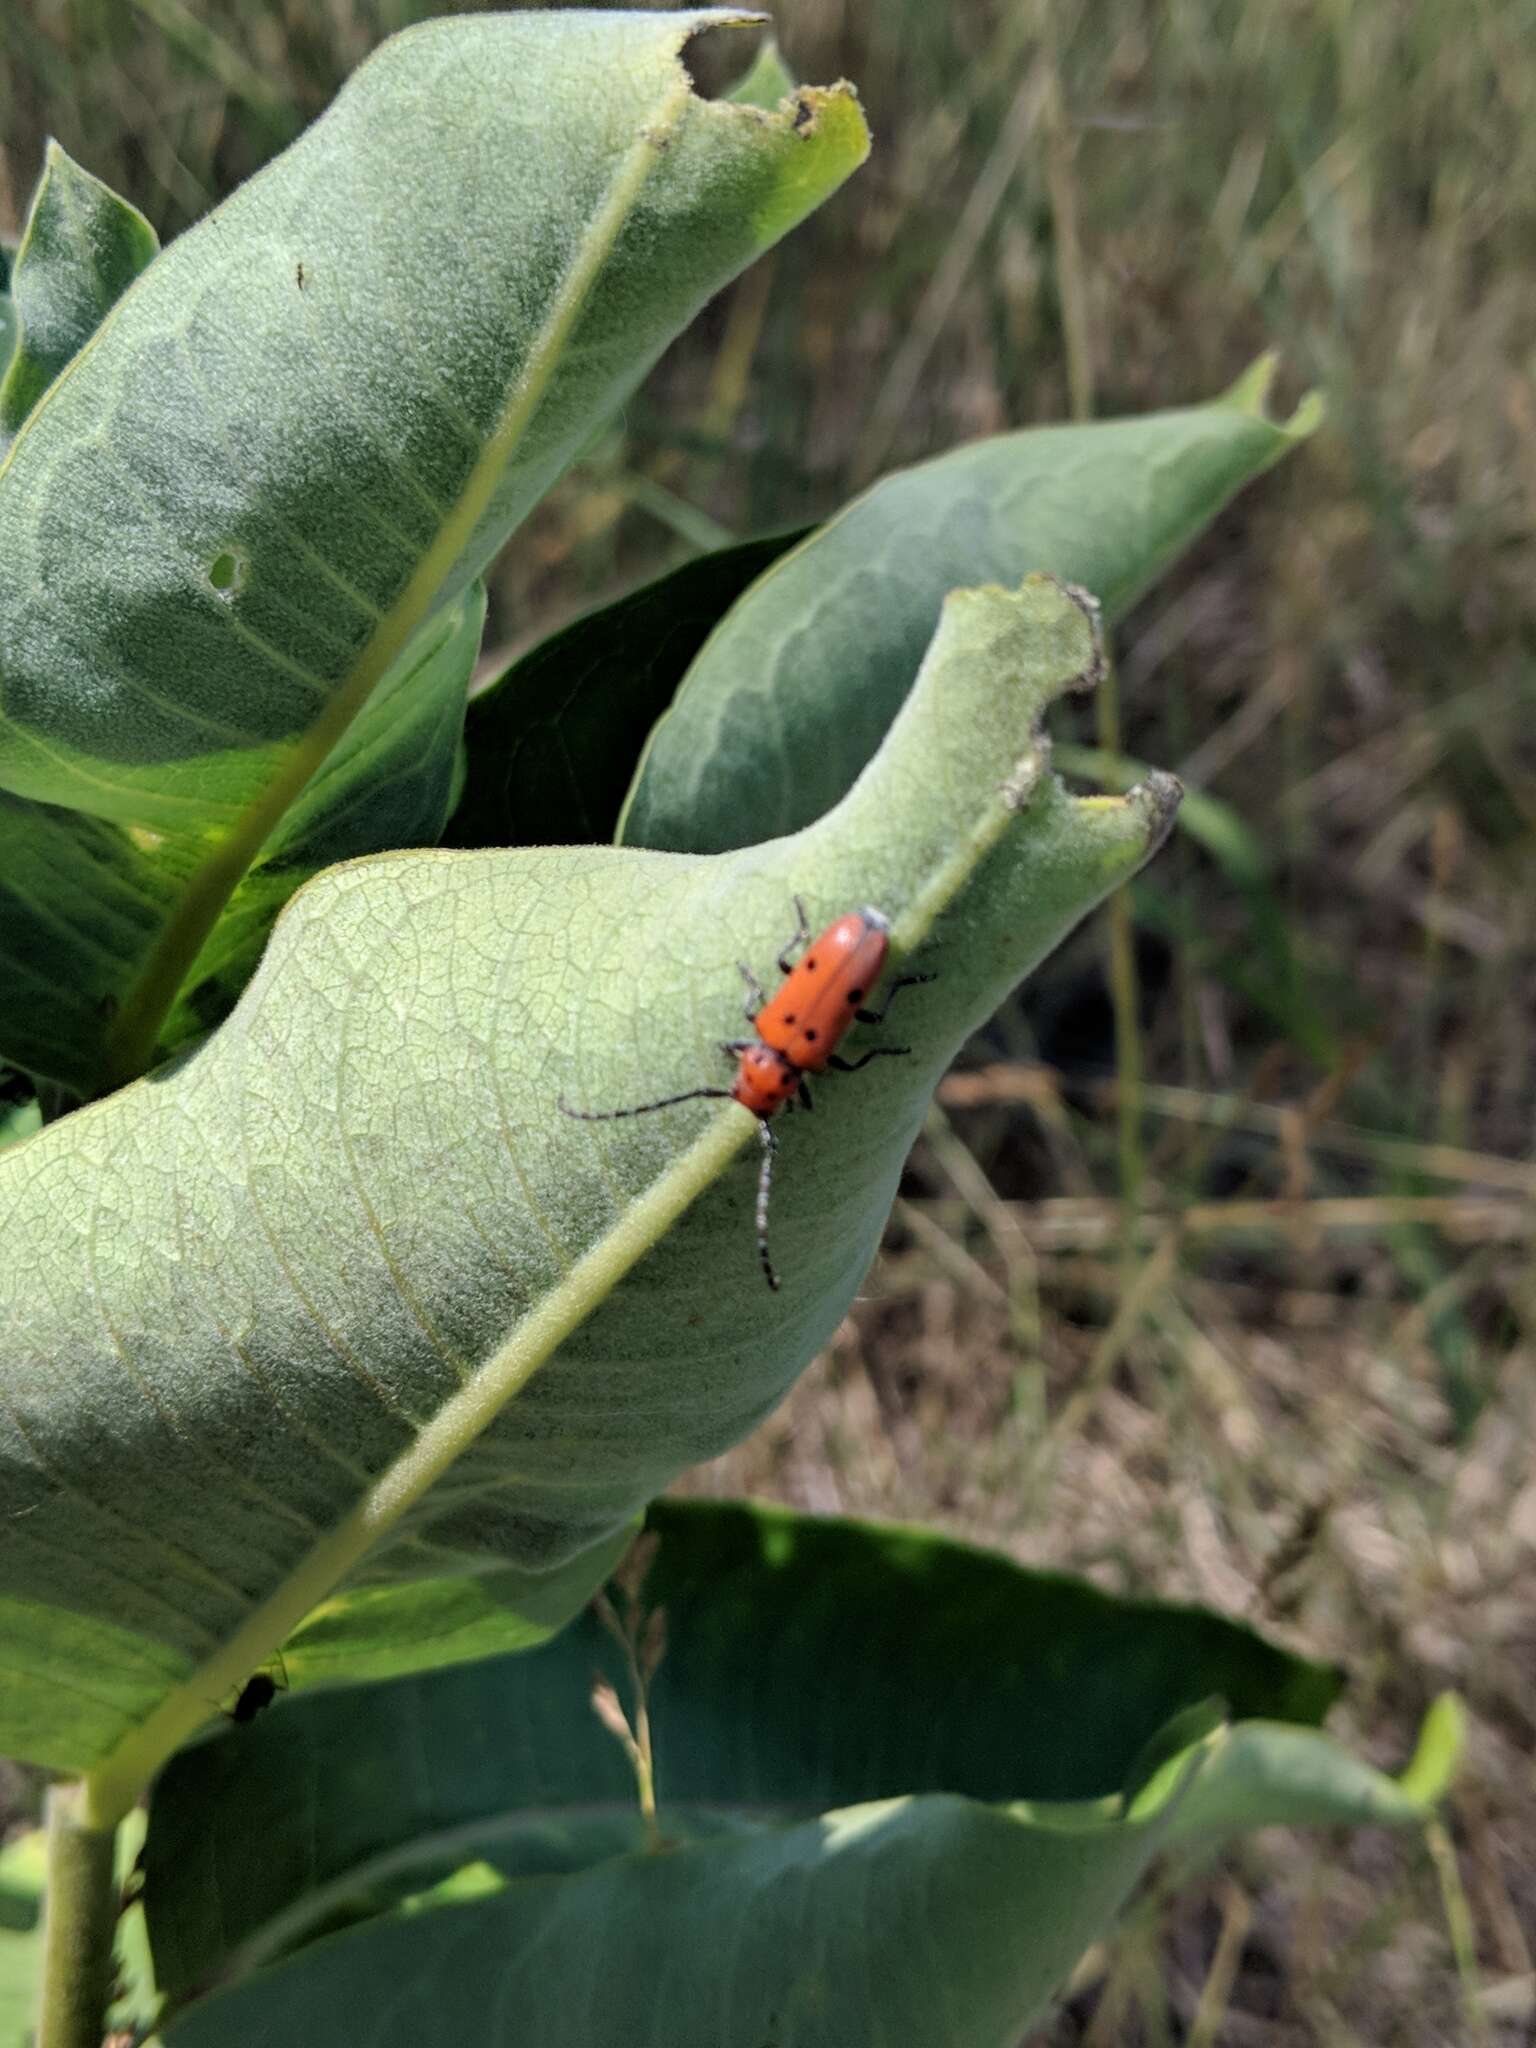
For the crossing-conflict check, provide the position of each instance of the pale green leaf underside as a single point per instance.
(337, 1295)
(766, 80)
(790, 695)
(319, 413)
(82, 248)
(321, 435)
(422, 1624)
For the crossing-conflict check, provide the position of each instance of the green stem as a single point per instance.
(79, 1923)
(1125, 996)
(1077, 338)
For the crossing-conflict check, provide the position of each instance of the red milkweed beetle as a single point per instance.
(798, 1033)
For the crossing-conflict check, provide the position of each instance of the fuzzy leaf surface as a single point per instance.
(84, 901)
(342, 1297)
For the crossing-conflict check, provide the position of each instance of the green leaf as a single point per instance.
(552, 744)
(19, 1120)
(767, 79)
(84, 901)
(809, 1665)
(1299, 1777)
(338, 1297)
(790, 695)
(81, 249)
(321, 411)
(426, 1623)
(927, 1921)
(970, 1676)
(21, 1935)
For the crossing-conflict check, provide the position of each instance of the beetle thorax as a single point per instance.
(765, 1080)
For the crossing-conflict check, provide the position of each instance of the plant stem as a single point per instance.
(1077, 339)
(645, 1760)
(1463, 1936)
(1125, 996)
(79, 1923)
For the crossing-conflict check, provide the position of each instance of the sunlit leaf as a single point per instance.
(789, 697)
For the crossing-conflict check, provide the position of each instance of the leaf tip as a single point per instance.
(1157, 798)
(1437, 1754)
(1251, 393)
(1132, 828)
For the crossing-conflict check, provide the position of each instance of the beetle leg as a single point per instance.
(879, 1052)
(606, 1116)
(805, 1096)
(757, 995)
(802, 936)
(879, 1016)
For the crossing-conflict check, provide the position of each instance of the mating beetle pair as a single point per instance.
(798, 1033)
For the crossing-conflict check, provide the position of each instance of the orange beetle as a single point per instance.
(798, 1033)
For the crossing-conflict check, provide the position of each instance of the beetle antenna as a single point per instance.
(605, 1116)
(764, 1183)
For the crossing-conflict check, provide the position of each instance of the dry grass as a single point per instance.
(1307, 1398)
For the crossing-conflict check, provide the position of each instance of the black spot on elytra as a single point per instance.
(855, 997)
(810, 1036)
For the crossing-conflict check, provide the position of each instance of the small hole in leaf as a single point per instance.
(226, 572)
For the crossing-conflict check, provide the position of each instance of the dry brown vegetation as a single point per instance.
(1253, 1325)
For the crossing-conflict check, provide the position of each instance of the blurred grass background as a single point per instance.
(1218, 1285)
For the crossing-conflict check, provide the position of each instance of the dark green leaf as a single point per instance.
(553, 742)
(809, 1665)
